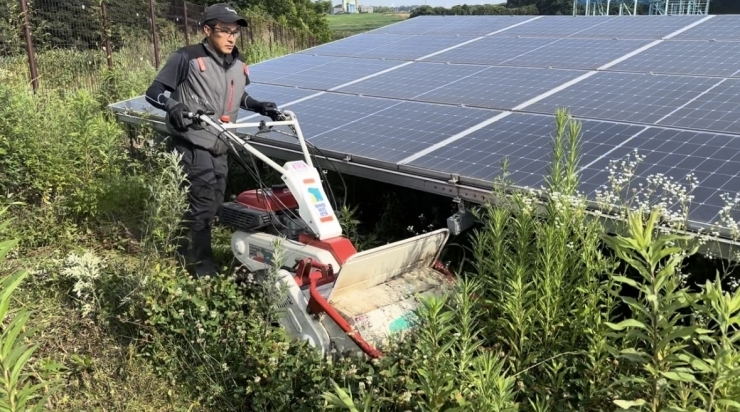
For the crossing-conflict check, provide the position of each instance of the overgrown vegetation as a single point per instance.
(551, 311)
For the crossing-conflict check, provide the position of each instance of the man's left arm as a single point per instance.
(268, 109)
(247, 102)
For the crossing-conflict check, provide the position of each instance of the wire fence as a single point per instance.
(70, 43)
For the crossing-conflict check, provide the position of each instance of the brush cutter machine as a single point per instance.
(339, 299)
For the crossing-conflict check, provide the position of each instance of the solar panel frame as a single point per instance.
(138, 104)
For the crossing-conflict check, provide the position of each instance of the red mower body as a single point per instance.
(273, 200)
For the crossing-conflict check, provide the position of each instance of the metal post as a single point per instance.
(185, 15)
(29, 47)
(106, 30)
(153, 17)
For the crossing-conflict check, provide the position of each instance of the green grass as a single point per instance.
(343, 25)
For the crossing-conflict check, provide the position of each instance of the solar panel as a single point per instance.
(481, 86)
(525, 139)
(417, 25)
(463, 25)
(721, 27)
(289, 65)
(701, 58)
(491, 50)
(555, 26)
(329, 73)
(476, 26)
(353, 45)
(718, 109)
(713, 159)
(584, 54)
(639, 27)
(380, 129)
(138, 105)
(278, 94)
(414, 47)
(628, 97)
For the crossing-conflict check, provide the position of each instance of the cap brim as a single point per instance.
(233, 19)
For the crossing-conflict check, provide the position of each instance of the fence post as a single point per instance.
(29, 47)
(153, 17)
(185, 15)
(106, 30)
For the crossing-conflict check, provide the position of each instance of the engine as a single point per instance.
(272, 210)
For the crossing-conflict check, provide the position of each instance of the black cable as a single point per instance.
(341, 177)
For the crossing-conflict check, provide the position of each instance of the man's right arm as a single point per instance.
(172, 74)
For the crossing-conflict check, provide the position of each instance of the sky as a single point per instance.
(433, 3)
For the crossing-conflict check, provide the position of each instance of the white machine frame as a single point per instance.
(301, 177)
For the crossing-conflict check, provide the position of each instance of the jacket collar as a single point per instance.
(225, 61)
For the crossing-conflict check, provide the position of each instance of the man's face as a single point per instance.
(223, 36)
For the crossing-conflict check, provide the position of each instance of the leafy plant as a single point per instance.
(717, 363)
(17, 385)
(656, 336)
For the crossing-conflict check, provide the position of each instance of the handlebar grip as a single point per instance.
(191, 115)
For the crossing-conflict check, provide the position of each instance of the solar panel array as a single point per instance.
(438, 96)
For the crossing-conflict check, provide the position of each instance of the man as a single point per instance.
(209, 76)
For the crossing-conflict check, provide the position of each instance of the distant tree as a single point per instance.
(474, 10)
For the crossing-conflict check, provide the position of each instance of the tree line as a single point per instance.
(78, 24)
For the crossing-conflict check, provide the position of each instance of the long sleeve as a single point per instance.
(172, 74)
(248, 102)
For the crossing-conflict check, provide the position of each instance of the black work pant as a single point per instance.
(206, 176)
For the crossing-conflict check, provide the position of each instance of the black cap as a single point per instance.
(225, 13)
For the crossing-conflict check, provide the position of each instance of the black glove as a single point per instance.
(176, 112)
(270, 109)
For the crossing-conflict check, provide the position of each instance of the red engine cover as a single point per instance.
(271, 200)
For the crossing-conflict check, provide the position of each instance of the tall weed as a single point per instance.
(19, 390)
(543, 270)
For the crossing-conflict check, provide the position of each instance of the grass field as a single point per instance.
(343, 25)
